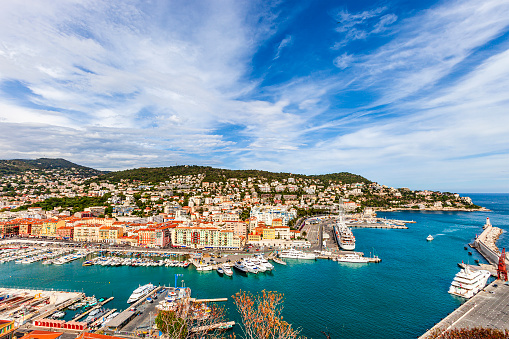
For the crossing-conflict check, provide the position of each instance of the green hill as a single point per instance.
(161, 174)
(17, 166)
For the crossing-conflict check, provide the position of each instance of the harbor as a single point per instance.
(419, 307)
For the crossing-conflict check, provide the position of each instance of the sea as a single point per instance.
(401, 297)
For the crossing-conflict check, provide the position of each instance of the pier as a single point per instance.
(487, 309)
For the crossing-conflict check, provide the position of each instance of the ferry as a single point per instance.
(140, 292)
(292, 253)
(467, 283)
(344, 236)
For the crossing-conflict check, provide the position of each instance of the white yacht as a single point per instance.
(467, 283)
(263, 262)
(240, 266)
(353, 258)
(429, 237)
(140, 292)
(227, 269)
(292, 253)
(344, 236)
(251, 266)
(258, 263)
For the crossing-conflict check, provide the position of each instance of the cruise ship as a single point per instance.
(292, 253)
(344, 236)
(467, 283)
(140, 292)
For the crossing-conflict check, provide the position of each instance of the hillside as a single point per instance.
(161, 174)
(17, 166)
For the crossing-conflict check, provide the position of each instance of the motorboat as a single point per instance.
(429, 238)
(227, 269)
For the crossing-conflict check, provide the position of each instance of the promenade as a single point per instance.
(488, 308)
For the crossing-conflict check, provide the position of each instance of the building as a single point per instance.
(85, 232)
(155, 237)
(238, 227)
(66, 232)
(204, 237)
(6, 329)
(110, 234)
(267, 214)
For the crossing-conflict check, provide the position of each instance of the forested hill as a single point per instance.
(161, 174)
(18, 166)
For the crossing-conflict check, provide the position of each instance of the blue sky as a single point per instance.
(406, 93)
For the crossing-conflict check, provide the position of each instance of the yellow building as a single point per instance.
(110, 234)
(269, 233)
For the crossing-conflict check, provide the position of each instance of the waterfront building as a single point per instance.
(155, 237)
(110, 234)
(204, 237)
(66, 232)
(86, 232)
(10, 227)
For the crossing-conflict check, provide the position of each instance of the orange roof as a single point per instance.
(42, 335)
(86, 335)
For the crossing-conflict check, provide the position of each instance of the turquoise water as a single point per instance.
(399, 298)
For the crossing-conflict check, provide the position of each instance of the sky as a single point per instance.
(405, 93)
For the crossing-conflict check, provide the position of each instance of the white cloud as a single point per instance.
(343, 61)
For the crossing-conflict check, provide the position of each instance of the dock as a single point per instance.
(99, 305)
(487, 309)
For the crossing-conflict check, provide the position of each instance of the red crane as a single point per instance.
(502, 269)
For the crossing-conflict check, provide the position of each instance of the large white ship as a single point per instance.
(140, 292)
(292, 253)
(467, 283)
(344, 236)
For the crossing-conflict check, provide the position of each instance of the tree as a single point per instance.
(188, 320)
(261, 316)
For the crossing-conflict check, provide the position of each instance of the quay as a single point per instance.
(487, 309)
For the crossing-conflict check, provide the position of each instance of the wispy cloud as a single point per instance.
(358, 26)
(285, 42)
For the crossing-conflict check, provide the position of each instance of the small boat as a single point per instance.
(476, 261)
(149, 299)
(429, 238)
(469, 253)
(465, 247)
(220, 270)
(87, 263)
(59, 314)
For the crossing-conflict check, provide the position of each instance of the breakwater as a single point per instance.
(485, 244)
